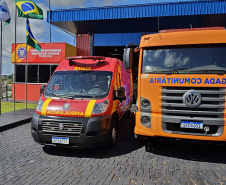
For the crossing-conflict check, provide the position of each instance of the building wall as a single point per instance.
(33, 92)
(116, 39)
(83, 44)
(41, 65)
(70, 50)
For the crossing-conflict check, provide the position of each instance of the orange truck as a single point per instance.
(181, 85)
(82, 103)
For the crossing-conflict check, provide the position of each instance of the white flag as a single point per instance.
(4, 12)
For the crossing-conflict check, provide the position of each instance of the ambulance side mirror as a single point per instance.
(128, 58)
(42, 89)
(120, 94)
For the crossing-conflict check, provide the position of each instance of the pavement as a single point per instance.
(10, 120)
(24, 162)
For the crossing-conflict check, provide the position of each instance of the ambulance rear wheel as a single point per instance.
(112, 134)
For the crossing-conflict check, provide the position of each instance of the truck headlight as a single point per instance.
(39, 105)
(101, 107)
(145, 103)
(145, 120)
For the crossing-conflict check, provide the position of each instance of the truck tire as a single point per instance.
(112, 134)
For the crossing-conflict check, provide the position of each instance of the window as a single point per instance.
(36, 73)
(88, 84)
(32, 73)
(20, 73)
(181, 59)
(53, 68)
(44, 73)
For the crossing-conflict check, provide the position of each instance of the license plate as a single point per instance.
(190, 124)
(60, 140)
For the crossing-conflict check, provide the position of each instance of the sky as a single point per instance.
(40, 28)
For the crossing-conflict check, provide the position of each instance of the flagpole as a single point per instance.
(14, 79)
(26, 71)
(49, 24)
(1, 74)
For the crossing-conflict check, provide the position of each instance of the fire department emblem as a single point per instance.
(66, 106)
(21, 52)
(61, 126)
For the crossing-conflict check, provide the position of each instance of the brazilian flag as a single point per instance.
(31, 39)
(28, 9)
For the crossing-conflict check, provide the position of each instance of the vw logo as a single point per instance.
(192, 99)
(61, 126)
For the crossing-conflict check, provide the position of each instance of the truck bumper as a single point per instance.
(159, 128)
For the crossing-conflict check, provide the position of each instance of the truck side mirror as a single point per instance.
(42, 89)
(128, 58)
(120, 95)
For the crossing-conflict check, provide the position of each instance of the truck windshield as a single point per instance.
(79, 84)
(196, 60)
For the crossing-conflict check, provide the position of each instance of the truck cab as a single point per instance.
(181, 85)
(83, 102)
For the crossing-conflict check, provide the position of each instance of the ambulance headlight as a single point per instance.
(101, 107)
(39, 105)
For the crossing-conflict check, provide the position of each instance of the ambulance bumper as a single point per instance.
(79, 132)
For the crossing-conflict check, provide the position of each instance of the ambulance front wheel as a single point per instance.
(112, 134)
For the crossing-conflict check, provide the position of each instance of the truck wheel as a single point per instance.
(112, 135)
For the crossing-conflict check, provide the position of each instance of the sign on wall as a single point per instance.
(50, 53)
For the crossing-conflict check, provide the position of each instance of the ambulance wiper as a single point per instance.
(86, 96)
(52, 93)
(66, 96)
(59, 95)
(76, 95)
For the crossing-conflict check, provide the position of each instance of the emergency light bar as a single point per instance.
(94, 58)
(192, 29)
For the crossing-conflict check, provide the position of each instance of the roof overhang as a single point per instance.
(141, 18)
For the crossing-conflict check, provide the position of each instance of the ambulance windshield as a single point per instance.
(79, 84)
(195, 59)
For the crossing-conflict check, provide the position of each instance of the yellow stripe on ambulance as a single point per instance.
(89, 108)
(45, 105)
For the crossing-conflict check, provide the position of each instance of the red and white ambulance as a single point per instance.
(82, 103)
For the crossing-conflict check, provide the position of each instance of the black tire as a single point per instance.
(112, 134)
(127, 114)
(143, 141)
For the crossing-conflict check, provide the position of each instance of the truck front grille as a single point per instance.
(210, 111)
(50, 127)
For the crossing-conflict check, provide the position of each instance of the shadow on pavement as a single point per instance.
(126, 143)
(204, 152)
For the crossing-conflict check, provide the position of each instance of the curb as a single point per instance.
(15, 124)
